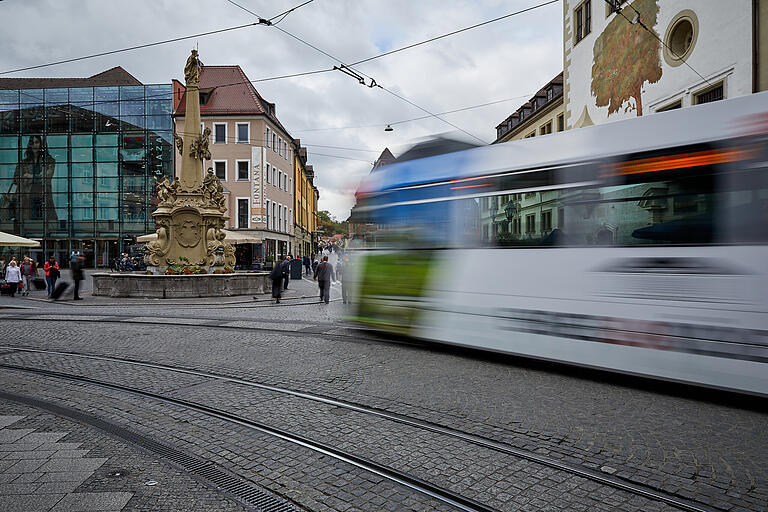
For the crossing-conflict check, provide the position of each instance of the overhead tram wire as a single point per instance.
(407, 47)
(373, 81)
(413, 118)
(376, 84)
(285, 14)
(639, 21)
(137, 47)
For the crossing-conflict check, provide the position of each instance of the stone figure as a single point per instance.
(163, 190)
(215, 245)
(192, 69)
(199, 147)
(174, 188)
(157, 249)
(209, 185)
(179, 144)
(221, 201)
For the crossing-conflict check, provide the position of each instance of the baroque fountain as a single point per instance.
(190, 216)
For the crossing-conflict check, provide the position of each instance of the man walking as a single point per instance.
(324, 276)
(285, 266)
(76, 266)
(307, 264)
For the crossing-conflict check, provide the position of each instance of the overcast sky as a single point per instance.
(508, 59)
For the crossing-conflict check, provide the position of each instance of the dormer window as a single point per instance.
(549, 94)
(204, 97)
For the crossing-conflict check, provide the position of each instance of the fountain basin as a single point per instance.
(161, 286)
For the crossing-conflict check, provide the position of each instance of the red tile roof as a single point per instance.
(111, 77)
(229, 93)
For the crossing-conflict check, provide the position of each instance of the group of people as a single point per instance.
(322, 272)
(20, 277)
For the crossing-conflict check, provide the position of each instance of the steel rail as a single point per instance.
(112, 318)
(433, 491)
(484, 442)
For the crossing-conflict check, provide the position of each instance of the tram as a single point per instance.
(637, 246)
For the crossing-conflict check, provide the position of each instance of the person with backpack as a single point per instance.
(324, 276)
(277, 282)
(52, 273)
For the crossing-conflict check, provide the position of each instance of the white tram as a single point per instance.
(637, 246)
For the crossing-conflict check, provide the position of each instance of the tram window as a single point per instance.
(687, 210)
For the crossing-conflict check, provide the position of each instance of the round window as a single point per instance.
(680, 38)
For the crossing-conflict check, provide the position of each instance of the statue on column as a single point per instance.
(192, 69)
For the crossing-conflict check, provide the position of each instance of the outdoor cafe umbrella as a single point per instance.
(17, 241)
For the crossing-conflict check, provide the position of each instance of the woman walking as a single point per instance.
(51, 268)
(27, 273)
(12, 276)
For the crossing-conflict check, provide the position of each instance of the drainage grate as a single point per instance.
(245, 492)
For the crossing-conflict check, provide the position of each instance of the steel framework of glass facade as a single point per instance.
(77, 166)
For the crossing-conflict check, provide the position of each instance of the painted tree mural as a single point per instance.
(625, 57)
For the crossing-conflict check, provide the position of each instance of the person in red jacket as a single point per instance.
(51, 274)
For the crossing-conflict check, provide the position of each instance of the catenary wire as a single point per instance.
(306, 73)
(373, 82)
(414, 118)
(137, 47)
(285, 14)
(407, 47)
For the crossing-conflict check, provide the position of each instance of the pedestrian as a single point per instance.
(324, 276)
(345, 281)
(277, 282)
(314, 266)
(285, 266)
(76, 266)
(12, 276)
(307, 264)
(27, 272)
(52, 273)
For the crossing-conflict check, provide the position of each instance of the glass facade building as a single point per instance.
(77, 166)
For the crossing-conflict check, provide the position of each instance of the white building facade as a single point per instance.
(615, 68)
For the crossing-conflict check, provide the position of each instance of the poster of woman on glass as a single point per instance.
(29, 196)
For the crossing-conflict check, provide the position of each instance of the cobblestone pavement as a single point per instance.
(712, 452)
(51, 463)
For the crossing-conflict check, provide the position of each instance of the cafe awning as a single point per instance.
(10, 240)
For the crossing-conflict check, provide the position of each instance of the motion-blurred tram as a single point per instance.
(637, 246)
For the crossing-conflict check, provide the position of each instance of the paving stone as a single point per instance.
(92, 501)
(6, 421)
(71, 465)
(10, 435)
(29, 503)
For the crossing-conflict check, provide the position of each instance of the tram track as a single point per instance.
(361, 335)
(490, 444)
